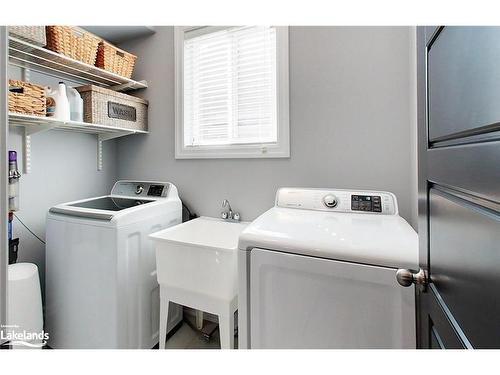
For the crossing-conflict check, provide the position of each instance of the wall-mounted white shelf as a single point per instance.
(37, 124)
(29, 56)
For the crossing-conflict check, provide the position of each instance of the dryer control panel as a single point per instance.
(143, 189)
(353, 201)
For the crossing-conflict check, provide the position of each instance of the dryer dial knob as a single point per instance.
(330, 201)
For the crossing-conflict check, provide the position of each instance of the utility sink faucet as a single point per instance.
(228, 213)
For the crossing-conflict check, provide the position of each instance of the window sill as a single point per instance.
(235, 152)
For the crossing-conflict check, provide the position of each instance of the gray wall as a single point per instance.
(351, 124)
(351, 121)
(63, 168)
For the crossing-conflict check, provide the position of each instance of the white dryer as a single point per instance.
(318, 270)
(101, 288)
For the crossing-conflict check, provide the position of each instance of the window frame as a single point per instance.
(280, 149)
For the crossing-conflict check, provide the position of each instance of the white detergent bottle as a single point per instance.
(75, 104)
(62, 110)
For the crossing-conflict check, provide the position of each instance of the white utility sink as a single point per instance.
(196, 265)
(199, 255)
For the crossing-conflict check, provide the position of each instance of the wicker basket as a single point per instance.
(26, 98)
(106, 107)
(115, 60)
(73, 42)
(31, 34)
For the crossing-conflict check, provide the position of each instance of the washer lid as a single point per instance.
(110, 203)
(382, 240)
(102, 208)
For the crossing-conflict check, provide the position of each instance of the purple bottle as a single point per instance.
(13, 171)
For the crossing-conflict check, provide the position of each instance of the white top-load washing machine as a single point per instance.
(318, 270)
(101, 288)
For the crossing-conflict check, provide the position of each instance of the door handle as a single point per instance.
(406, 278)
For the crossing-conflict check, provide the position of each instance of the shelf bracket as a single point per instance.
(28, 131)
(99, 152)
(27, 152)
(100, 139)
(26, 77)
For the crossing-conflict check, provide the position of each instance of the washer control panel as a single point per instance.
(373, 202)
(366, 203)
(144, 189)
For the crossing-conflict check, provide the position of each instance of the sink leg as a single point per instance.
(199, 319)
(226, 329)
(164, 302)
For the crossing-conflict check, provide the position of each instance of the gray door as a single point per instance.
(3, 177)
(459, 186)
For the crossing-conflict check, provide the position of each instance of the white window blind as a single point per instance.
(230, 94)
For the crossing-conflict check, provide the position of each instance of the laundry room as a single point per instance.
(245, 187)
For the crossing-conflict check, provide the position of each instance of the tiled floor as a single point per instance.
(188, 338)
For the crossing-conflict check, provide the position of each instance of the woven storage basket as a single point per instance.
(73, 42)
(31, 34)
(30, 101)
(106, 107)
(115, 60)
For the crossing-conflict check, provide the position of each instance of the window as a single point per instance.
(231, 92)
